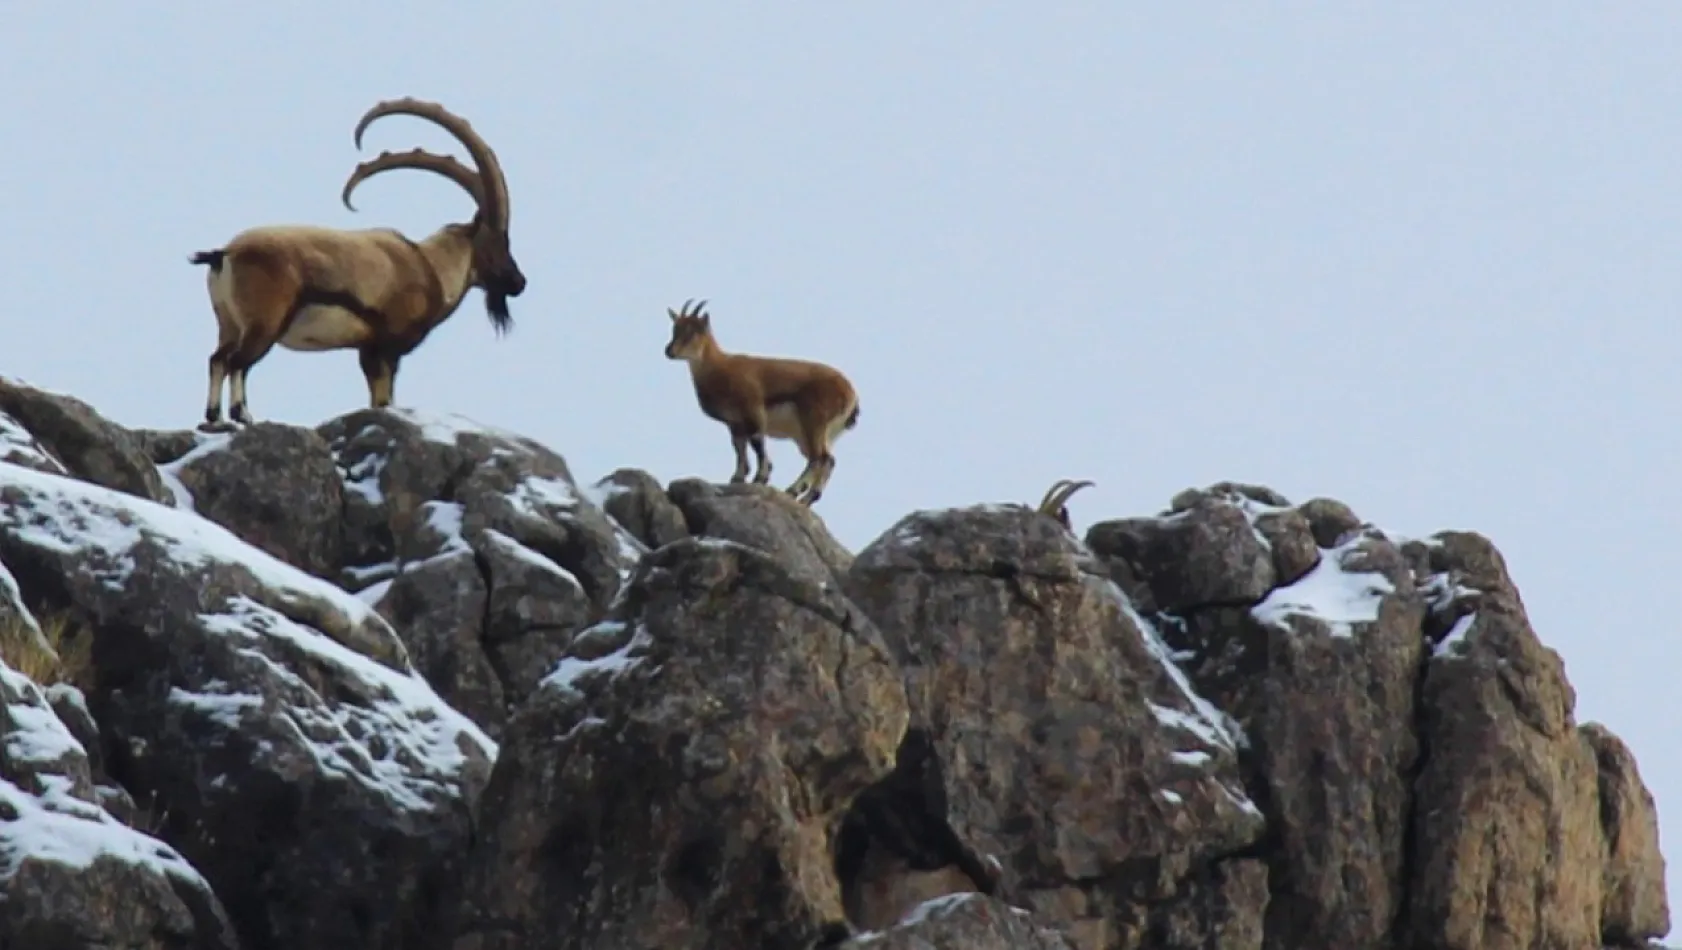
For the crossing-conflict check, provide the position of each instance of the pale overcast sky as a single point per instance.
(1424, 259)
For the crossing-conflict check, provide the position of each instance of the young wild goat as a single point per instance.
(1055, 502)
(373, 290)
(759, 397)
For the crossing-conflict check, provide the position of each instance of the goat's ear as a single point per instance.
(671, 313)
(707, 320)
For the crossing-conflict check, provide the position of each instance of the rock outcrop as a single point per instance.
(400, 681)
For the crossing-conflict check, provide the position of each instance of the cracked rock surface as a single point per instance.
(401, 681)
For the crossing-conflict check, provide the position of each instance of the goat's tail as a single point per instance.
(213, 258)
(853, 419)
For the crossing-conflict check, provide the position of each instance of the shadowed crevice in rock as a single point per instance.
(896, 849)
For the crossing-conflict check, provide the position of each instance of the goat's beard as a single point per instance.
(496, 305)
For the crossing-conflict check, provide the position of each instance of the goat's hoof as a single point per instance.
(215, 426)
(738, 479)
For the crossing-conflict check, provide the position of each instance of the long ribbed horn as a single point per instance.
(419, 159)
(495, 207)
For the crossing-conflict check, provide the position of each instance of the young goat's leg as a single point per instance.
(754, 430)
(820, 480)
(762, 474)
(808, 448)
(820, 439)
(739, 442)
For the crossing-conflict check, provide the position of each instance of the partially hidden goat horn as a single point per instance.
(1058, 495)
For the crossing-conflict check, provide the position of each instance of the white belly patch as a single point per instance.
(783, 421)
(325, 327)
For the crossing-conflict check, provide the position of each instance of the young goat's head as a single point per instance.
(494, 269)
(1055, 502)
(691, 332)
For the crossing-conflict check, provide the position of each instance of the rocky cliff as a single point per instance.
(402, 681)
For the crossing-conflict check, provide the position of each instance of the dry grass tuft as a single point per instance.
(61, 653)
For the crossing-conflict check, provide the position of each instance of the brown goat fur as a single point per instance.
(758, 397)
(374, 290)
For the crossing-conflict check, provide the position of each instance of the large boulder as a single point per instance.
(275, 486)
(677, 779)
(1058, 756)
(476, 544)
(765, 518)
(1530, 830)
(271, 721)
(1309, 634)
(73, 436)
(635, 499)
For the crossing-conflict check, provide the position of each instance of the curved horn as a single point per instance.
(1045, 505)
(495, 189)
(1059, 494)
(415, 158)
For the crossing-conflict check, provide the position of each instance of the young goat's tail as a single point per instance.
(853, 419)
(213, 258)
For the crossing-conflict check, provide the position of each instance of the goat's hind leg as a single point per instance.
(814, 443)
(227, 336)
(251, 349)
(213, 399)
(825, 465)
(825, 459)
(801, 488)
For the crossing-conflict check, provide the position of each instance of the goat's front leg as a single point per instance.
(739, 442)
(762, 474)
(380, 370)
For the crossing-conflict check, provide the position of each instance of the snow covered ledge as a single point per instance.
(286, 643)
(54, 834)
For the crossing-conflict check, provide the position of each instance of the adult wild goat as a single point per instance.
(1056, 500)
(757, 396)
(373, 290)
